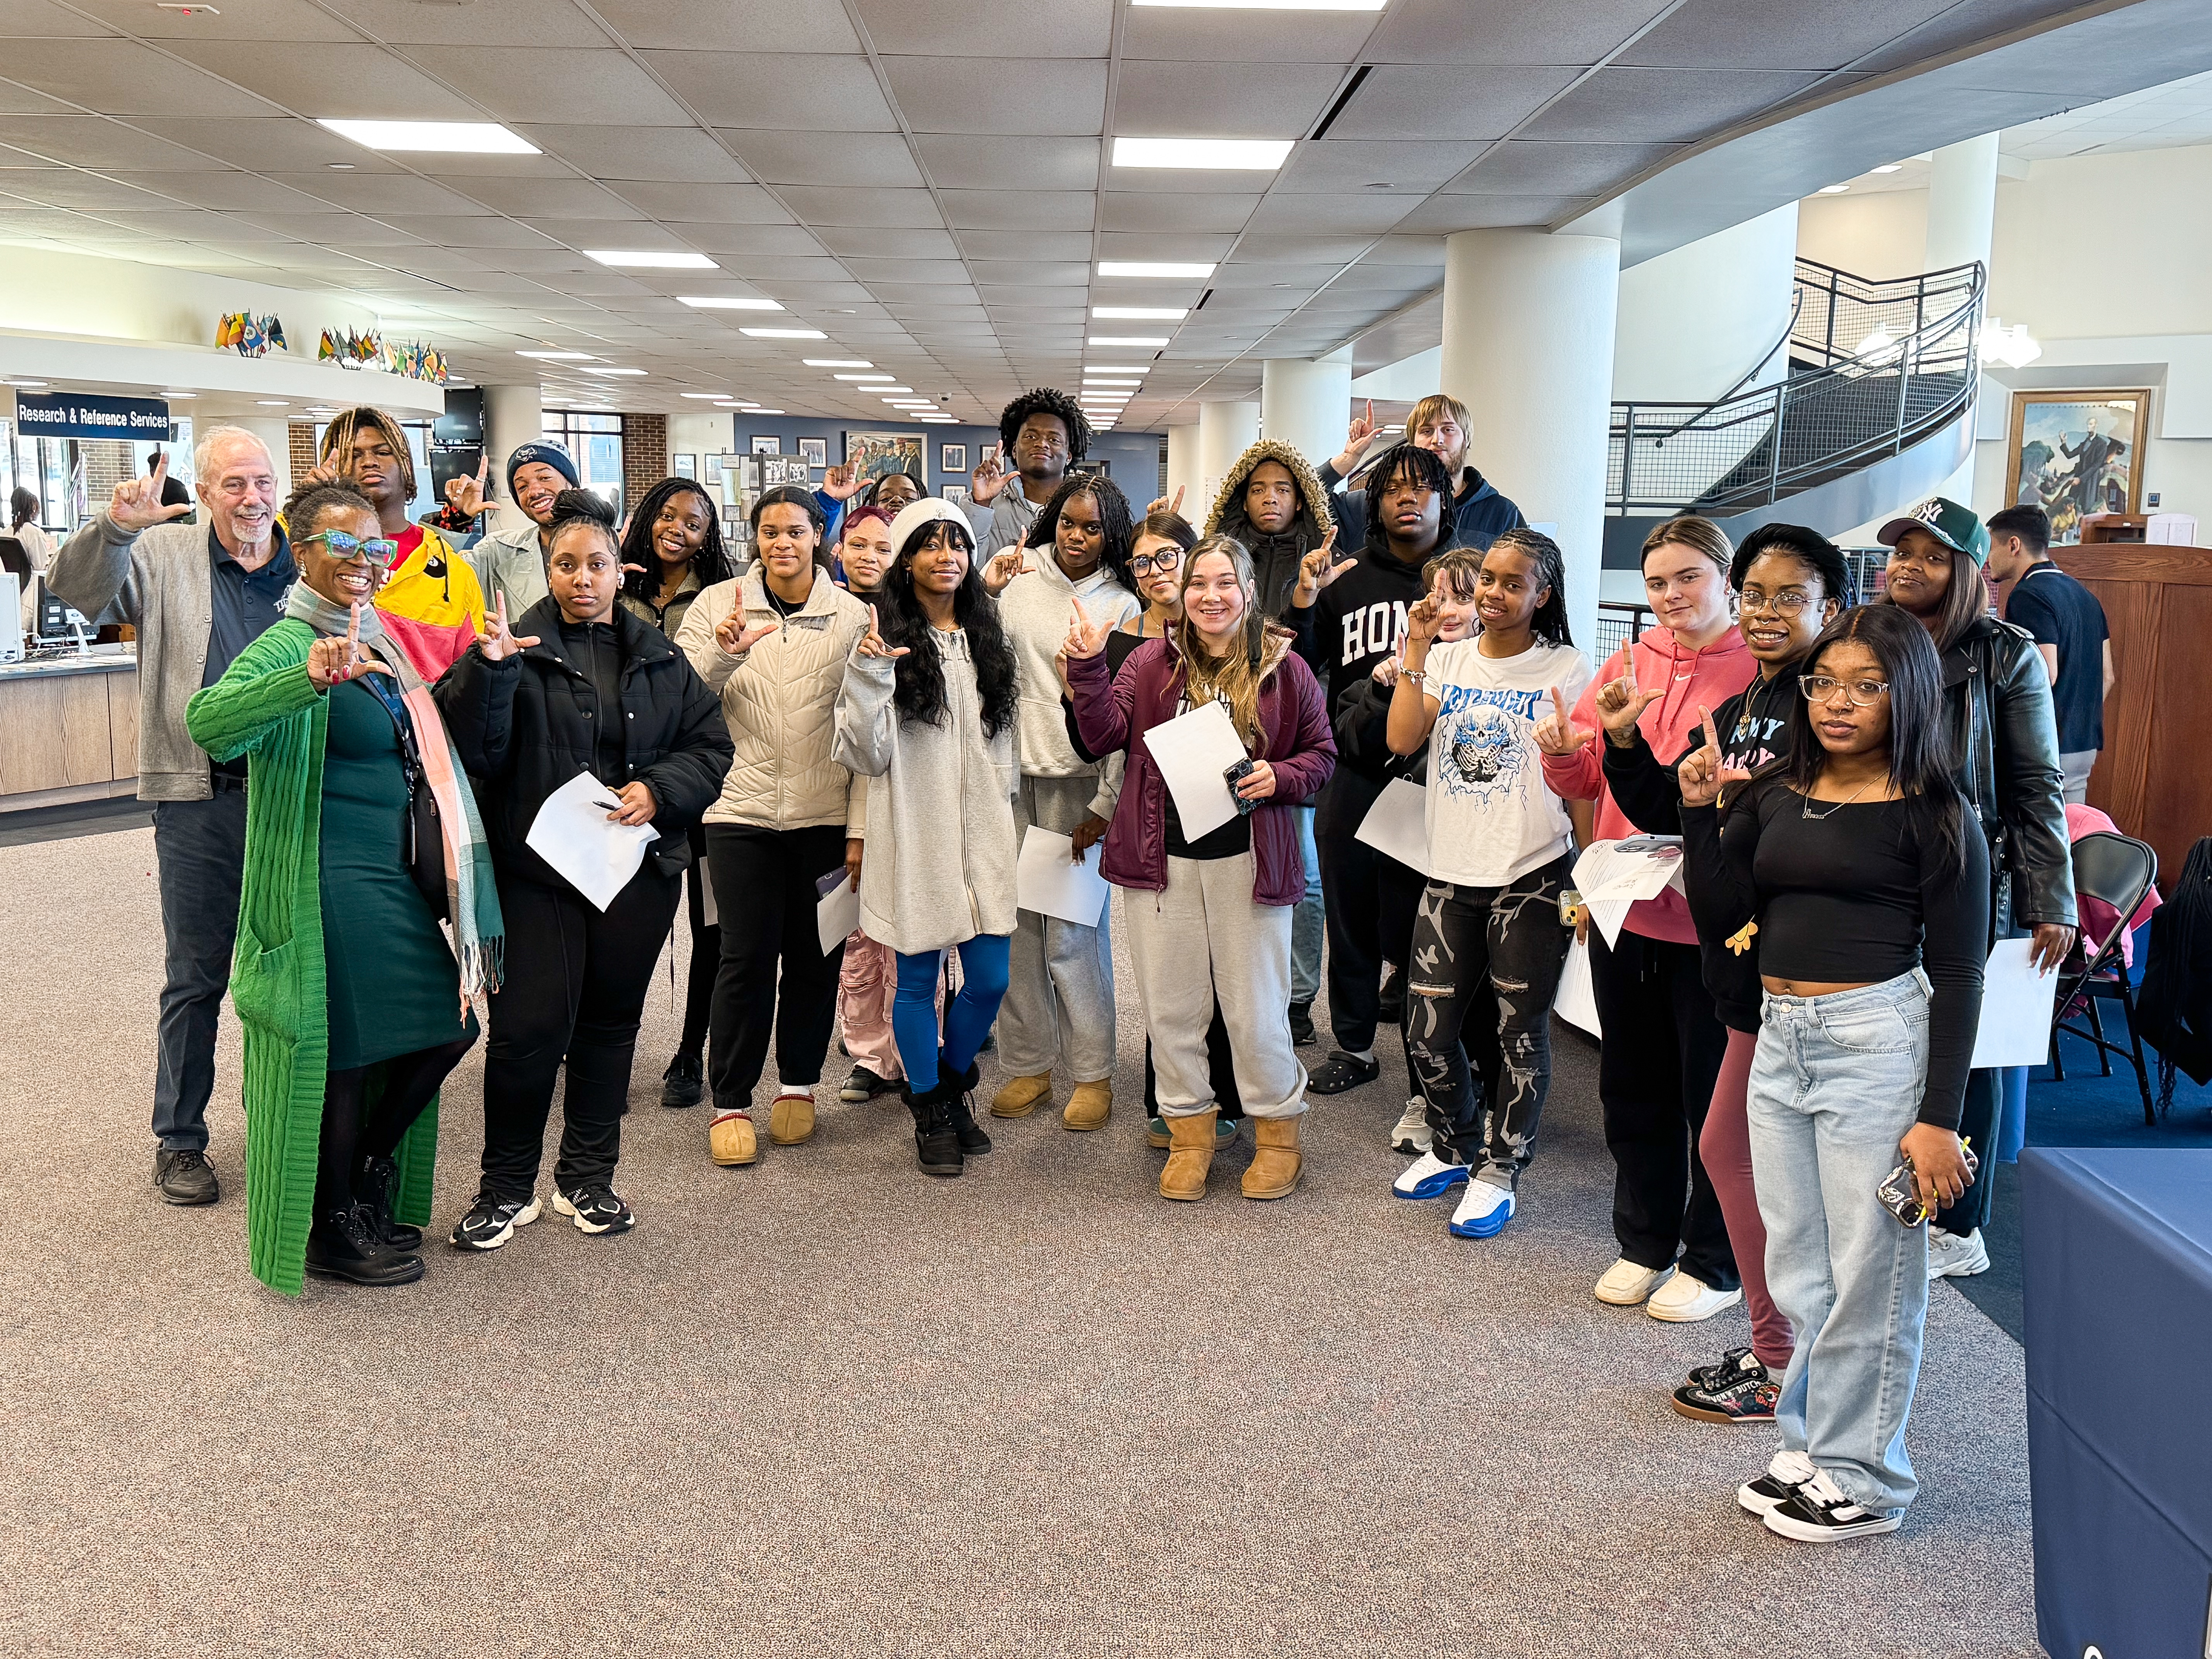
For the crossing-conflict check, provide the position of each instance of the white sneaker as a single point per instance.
(1483, 1211)
(1684, 1299)
(1411, 1134)
(1428, 1176)
(1956, 1255)
(1787, 1471)
(1626, 1284)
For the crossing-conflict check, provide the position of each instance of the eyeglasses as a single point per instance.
(345, 549)
(1790, 602)
(1864, 693)
(1145, 563)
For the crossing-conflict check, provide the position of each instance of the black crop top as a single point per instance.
(1851, 896)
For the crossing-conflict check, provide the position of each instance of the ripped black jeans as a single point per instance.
(1511, 937)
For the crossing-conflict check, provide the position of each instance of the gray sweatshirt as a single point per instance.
(1034, 610)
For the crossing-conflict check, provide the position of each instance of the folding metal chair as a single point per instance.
(2120, 871)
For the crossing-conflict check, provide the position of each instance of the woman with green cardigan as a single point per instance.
(361, 837)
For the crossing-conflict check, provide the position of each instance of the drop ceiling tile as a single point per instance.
(1241, 273)
(1034, 273)
(1386, 277)
(1225, 100)
(64, 187)
(663, 154)
(995, 243)
(87, 141)
(724, 204)
(1950, 28)
(1532, 167)
(1030, 305)
(910, 209)
(490, 281)
(265, 20)
(749, 26)
(908, 271)
(1190, 35)
(608, 233)
(929, 315)
(383, 192)
(808, 92)
(1451, 213)
(342, 80)
(880, 159)
(592, 284)
(1710, 34)
(745, 240)
(22, 100)
(1374, 211)
(41, 19)
(546, 199)
(122, 77)
(1507, 31)
(1183, 245)
(1435, 101)
(1066, 28)
(976, 94)
(1129, 211)
(1654, 106)
(966, 162)
(497, 23)
(869, 243)
(1416, 166)
(506, 234)
(588, 87)
(766, 270)
(1014, 209)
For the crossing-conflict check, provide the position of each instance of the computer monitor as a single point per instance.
(56, 620)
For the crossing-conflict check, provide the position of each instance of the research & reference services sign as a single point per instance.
(82, 414)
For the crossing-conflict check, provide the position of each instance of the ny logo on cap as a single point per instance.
(1930, 511)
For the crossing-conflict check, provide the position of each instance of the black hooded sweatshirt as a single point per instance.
(1355, 623)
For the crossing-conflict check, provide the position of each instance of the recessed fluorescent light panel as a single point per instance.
(709, 396)
(1216, 155)
(708, 302)
(763, 411)
(595, 368)
(1129, 339)
(1141, 313)
(560, 357)
(836, 363)
(452, 138)
(783, 333)
(1833, 189)
(902, 389)
(1152, 268)
(650, 258)
(1888, 166)
(864, 377)
(1266, 5)
(1119, 368)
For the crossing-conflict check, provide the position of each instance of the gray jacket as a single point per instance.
(159, 581)
(1004, 521)
(511, 562)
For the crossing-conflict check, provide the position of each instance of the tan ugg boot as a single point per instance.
(1089, 1107)
(1018, 1095)
(791, 1119)
(1190, 1155)
(1273, 1170)
(731, 1140)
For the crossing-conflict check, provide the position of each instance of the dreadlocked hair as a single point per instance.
(1111, 506)
(337, 442)
(1550, 622)
(710, 562)
(918, 678)
(1235, 677)
(1045, 400)
(1422, 466)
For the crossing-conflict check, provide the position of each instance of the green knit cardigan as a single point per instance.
(266, 709)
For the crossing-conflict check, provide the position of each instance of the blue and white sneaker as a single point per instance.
(1483, 1211)
(1428, 1176)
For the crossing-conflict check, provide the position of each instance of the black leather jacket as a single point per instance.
(2007, 744)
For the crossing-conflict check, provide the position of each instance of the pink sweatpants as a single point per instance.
(1725, 1149)
(865, 987)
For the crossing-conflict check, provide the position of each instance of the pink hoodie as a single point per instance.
(1693, 680)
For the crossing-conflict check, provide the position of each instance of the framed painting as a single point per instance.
(2073, 453)
(815, 451)
(873, 454)
(952, 458)
(766, 443)
(684, 466)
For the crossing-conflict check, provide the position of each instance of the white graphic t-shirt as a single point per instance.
(1491, 818)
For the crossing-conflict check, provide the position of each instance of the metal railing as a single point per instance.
(1618, 625)
(1875, 367)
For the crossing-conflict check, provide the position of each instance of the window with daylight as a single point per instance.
(596, 442)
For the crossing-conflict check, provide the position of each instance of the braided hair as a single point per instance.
(1112, 507)
(1045, 400)
(710, 564)
(337, 442)
(1422, 466)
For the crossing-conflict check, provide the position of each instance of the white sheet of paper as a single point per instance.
(1048, 881)
(1192, 751)
(1576, 1003)
(1398, 824)
(1641, 867)
(838, 913)
(1607, 915)
(2016, 1008)
(572, 833)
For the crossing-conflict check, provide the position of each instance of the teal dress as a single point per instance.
(394, 987)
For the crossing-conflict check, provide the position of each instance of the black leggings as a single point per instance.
(353, 1129)
(706, 953)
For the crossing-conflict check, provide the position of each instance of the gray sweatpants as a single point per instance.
(1204, 939)
(1058, 1011)
(2075, 769)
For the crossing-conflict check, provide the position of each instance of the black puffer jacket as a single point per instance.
(526, 726)
(2005, 740)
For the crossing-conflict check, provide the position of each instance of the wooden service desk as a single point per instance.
(2152, 777)
(68, 729)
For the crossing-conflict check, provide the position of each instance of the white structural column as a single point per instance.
(1182, 470)
(276, 433)
(1225, 432)
(1693, 322)
(1306, 405)
(513, 416)
(1528, 348)
(1962, 209)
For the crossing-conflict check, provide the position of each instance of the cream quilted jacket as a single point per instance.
(780, 700)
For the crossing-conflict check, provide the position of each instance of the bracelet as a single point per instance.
(1413, 676)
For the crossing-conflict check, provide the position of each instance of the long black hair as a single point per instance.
(710, 564)
(918, 690)
(1964, 602)
(1426, 468)
(1920, 761)
(1112, 507)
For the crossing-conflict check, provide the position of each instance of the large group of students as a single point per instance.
(351, 722)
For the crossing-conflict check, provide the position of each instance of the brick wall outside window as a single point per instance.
(645, 455)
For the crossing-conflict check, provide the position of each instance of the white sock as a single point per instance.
(1364, 1056)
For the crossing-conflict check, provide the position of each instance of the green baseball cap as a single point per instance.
(1953, 525)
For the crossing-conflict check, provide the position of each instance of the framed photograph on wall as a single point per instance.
(684, 466)
(815, 451)
(766, 443)
(872, 454)
(952, 458)
(2073, 453)
(714, 468)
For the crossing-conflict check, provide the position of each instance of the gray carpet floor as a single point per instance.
(827, 1405)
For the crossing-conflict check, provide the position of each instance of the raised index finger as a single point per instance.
(1712, 737)
(353, 624)
(160, 470)
(1558, 703)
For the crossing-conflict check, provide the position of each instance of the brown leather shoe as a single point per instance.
(731, 1141)
(791, 1119)
(1273, 1170)
(1089, 1107)
(1018, 1095)
(1190, 1155)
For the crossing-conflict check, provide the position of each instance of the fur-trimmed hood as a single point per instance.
(1275, 558)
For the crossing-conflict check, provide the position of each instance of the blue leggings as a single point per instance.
(967, 1020)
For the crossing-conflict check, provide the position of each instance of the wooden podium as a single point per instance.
(2158, 607)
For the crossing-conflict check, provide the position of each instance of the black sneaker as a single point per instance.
(185, 1176)
(1785, 1473)
(1739, 1389)
(594, 1208)
(865, 1085)
(1302, 1025)
(1341, 1072)
(491, 1222)
(376, 1183)
(683, 1083)
(345, 1244)
(1818, 1512)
